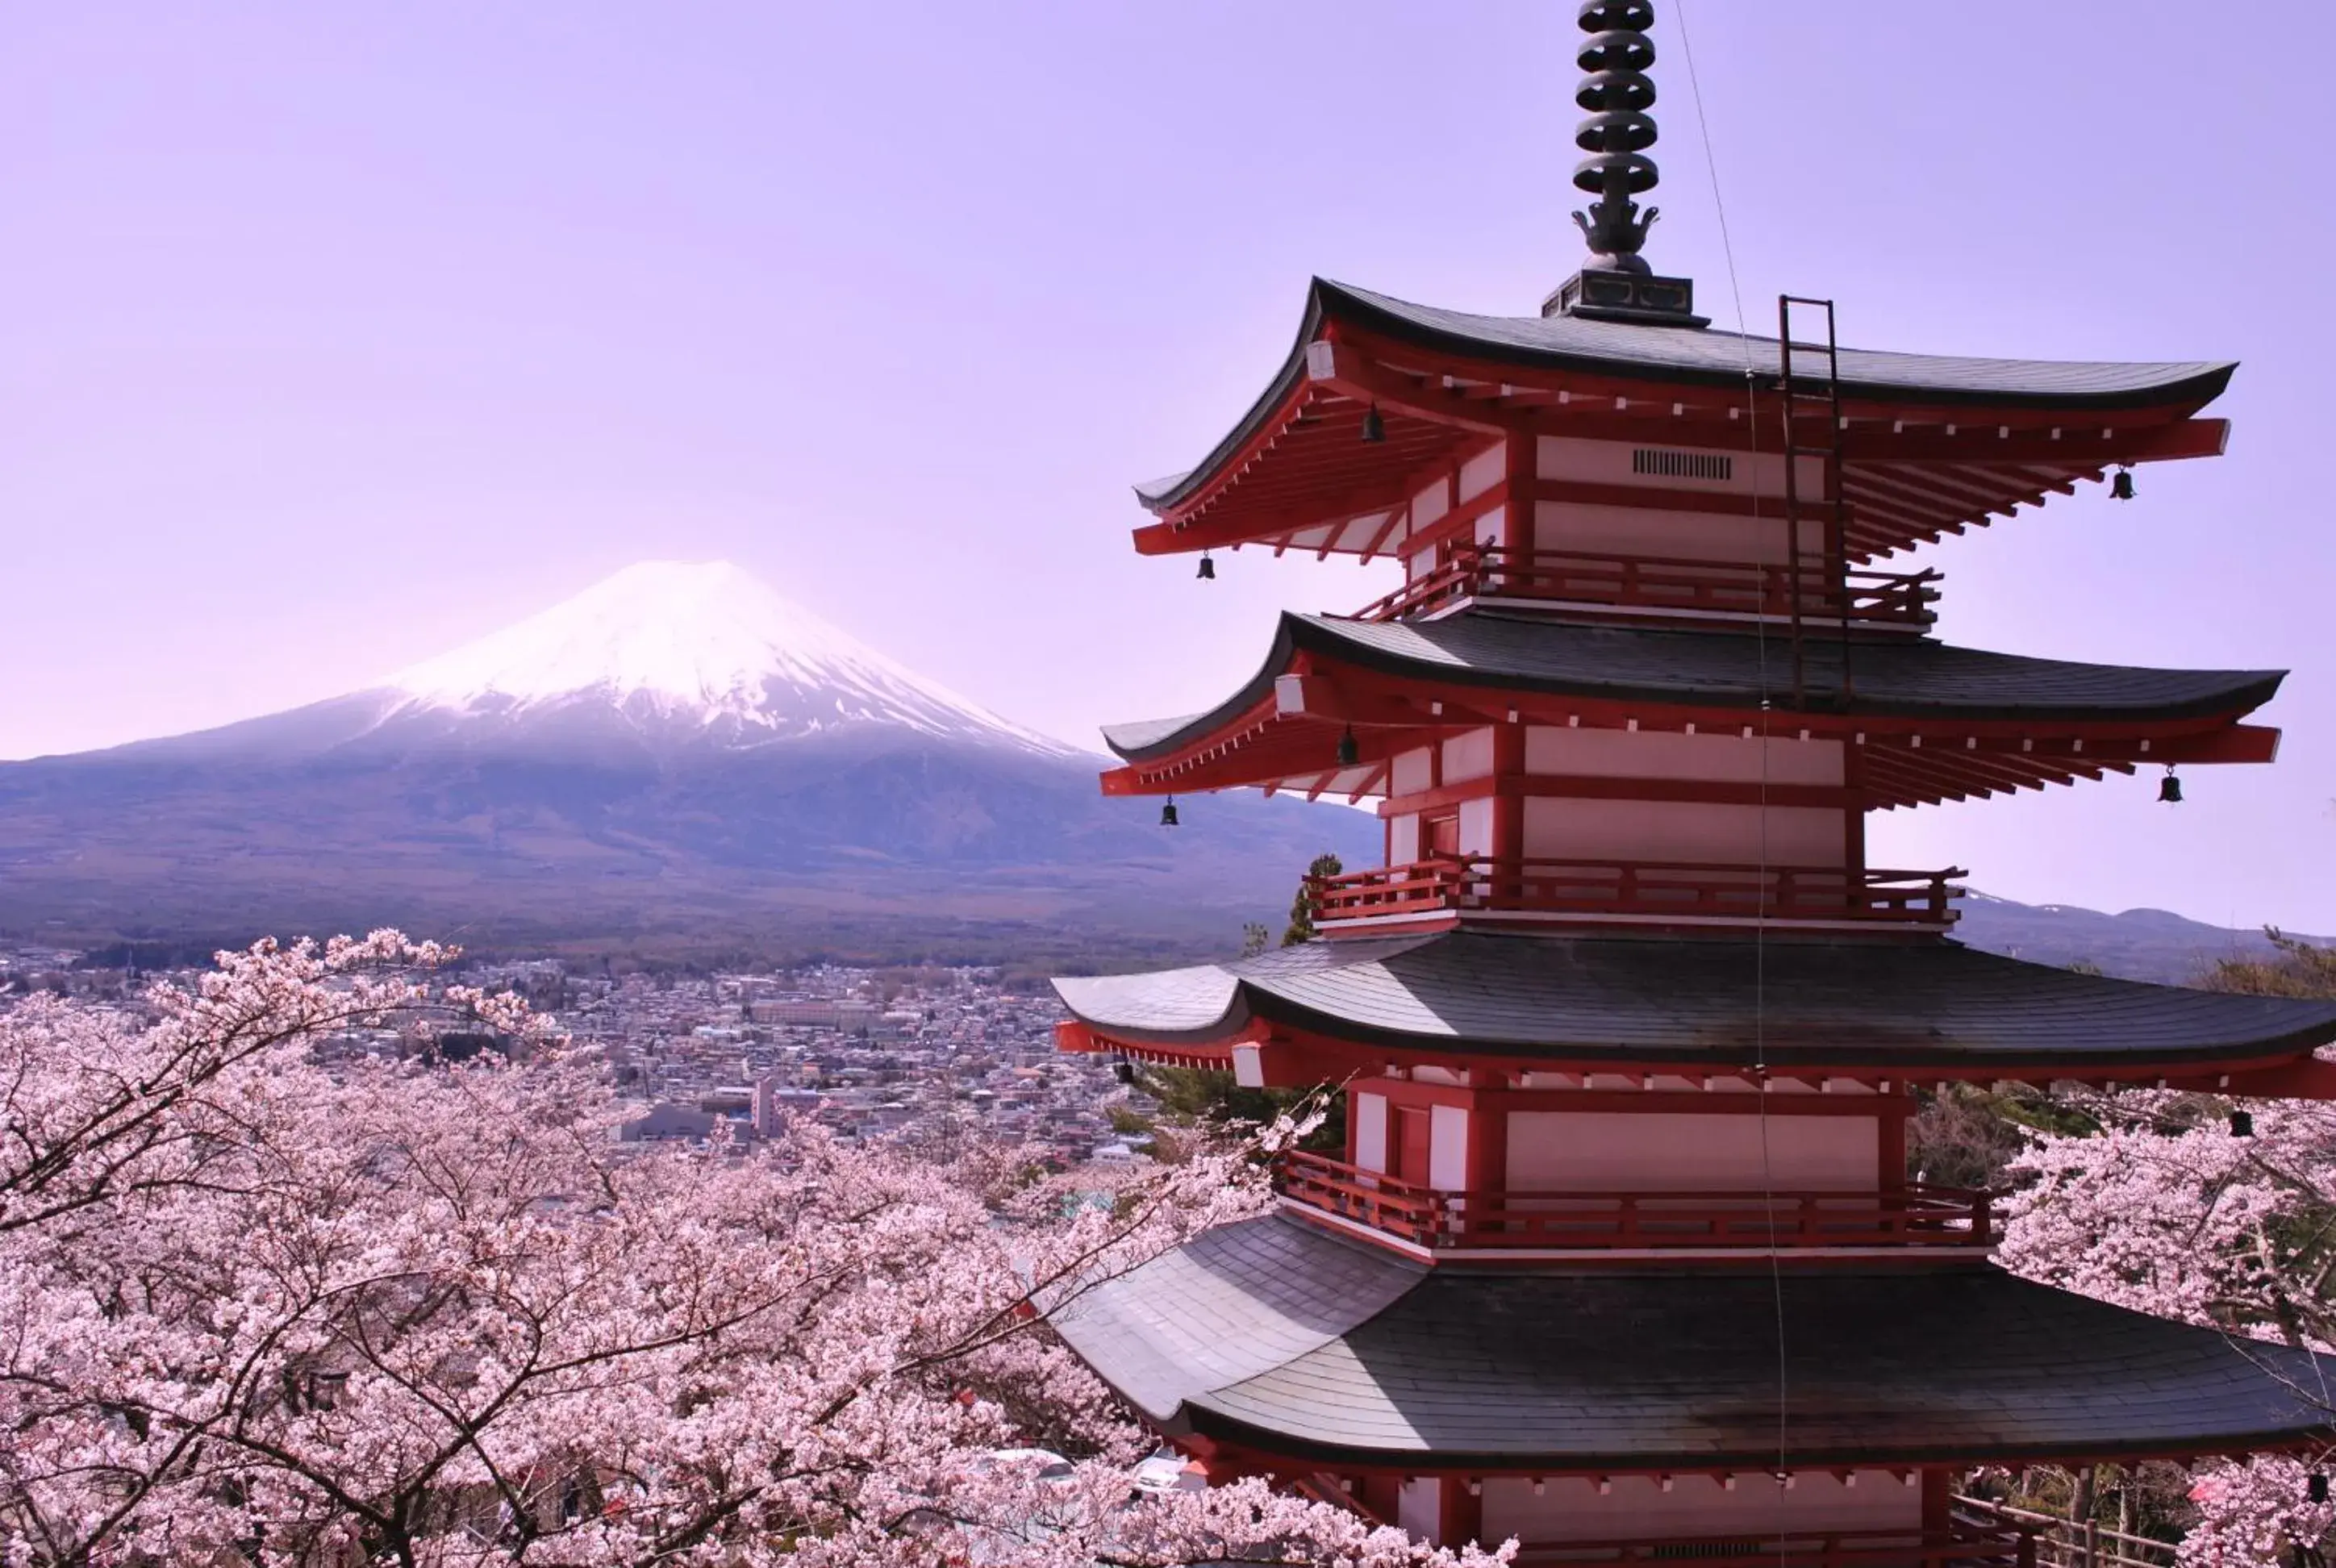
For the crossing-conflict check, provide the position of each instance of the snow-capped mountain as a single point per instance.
(675, 755)
(701, 644)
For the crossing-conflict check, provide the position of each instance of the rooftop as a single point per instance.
(1703, 1002)
(1269, 1331)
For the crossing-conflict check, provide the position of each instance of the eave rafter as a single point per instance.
(1292, 1057)
(1289, 739)
(1911, 473)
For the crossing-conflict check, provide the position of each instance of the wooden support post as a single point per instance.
(1461, 1514)
(1520, 533)
(1508, 844)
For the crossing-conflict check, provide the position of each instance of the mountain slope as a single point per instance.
(675, 755)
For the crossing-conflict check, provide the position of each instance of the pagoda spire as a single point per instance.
(1617, 91)
(1616, 283)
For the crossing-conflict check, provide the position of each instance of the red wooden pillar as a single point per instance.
(1508, 803)
(1460, 1512)
(1937, 1513)
(1523, 470)
(1488, 1146)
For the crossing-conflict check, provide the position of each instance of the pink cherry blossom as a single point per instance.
(263, 1302)
(2166, 1210)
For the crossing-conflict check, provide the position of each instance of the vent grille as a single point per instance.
(1688, 1551)
(1666, 464)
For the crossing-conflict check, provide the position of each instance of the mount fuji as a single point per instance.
(677, 758)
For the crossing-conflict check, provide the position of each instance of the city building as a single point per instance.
(1622, 1256)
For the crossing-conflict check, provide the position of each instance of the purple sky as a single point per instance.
(337, 335)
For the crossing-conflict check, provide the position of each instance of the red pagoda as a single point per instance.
(1622, 1257)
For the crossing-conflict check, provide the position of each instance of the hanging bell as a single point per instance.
(1374, 427)
(2243, 1123)
(2169, 789)
(2121, 486)
(2315, 1487)
(1208, 572)
(1168, 813)
(1349, 754)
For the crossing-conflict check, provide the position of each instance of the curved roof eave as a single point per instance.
(1558, 997)
(2103, 384)
(1693, 355)
(2192, 694)
(1274, 1331)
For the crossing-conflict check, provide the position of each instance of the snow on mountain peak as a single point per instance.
(703, 639)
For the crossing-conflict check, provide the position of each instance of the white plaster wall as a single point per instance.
(1370, 1114)
(1588, 462)
(1625, 830)
(1403, 839)
(1447, 1149)
(1481, 473)
(1584, 529)
(1468, 755)
(1682, 1152)
(1409, 772)
(1476, 827)
(1492, 528)
(1571, 1509)
(1666, 755)
(1429, 504)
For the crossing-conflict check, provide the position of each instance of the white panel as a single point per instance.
(1403, 839)
(1468, 755)
(1483, 471)
(1447, 1149)
(1651, 754)
(1571, 1508)
(1249, 1068)
(1603, 830)
(1493, 527)
(1589, 462)
(1370, 1113)
(1419, 1509)
(1411, 772)
(1585, 530)
(1476, 827)
(1665, 1152)
(1428, 505)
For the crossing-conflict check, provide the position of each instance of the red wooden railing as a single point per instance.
(1810, 1549)
(1640, 890)
(1896, 599)
(1920, 1215)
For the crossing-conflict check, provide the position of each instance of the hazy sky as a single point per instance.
(331, 335)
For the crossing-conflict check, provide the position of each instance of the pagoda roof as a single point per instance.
(1272, 1333)
(1932, 444)
(1910, 677)
(1708, 1001)
(1992, 721)
(1702, 356)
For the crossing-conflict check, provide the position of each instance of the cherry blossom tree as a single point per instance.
(264, 1301)
(2174, 1206)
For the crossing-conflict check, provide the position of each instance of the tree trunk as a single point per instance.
(2080, 1516)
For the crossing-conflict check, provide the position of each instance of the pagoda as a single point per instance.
(1621, 1256)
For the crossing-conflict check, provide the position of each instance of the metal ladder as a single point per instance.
(1811, 407)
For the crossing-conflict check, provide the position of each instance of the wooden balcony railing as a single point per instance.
(1696, 589)
(1920, 1215)
(1636, 891)
(2066, 1544)
(1979, 1548)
